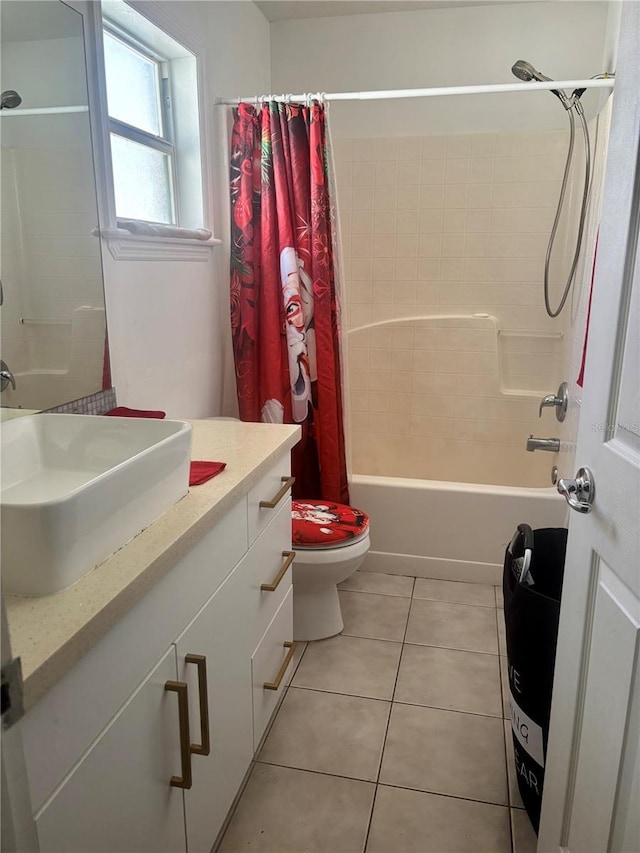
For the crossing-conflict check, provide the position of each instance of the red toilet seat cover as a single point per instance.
(318, 523)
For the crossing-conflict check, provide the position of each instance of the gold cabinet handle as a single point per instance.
(273, 503)
(204, 747)
(273, 685)
(181, 689)
(272, 587)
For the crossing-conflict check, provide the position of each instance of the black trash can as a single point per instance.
(532, 586)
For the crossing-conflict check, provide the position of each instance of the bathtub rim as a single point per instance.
(452, 486)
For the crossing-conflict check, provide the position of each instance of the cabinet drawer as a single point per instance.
(268, 666)
(272, 492)
(262, 571)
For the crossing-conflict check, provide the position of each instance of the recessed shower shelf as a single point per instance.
(528, 333)
(43, 321)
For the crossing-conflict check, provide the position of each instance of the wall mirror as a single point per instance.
(53, 344)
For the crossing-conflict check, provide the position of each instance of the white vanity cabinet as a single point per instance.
(118, 798)
(107, 788)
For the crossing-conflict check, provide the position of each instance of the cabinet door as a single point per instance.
(118, 799)
(219, 635)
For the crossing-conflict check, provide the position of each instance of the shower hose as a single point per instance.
(577, 106)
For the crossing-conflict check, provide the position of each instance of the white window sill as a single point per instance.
(125, 246)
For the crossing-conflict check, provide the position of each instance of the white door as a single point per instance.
(591, 799)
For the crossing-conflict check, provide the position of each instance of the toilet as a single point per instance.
(331, 541)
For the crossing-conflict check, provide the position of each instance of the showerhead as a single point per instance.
(524, 70)
(10, 100)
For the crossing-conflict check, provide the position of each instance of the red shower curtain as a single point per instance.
(284, 307)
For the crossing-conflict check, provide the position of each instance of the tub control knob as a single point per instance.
(579, 493)
(558, 401)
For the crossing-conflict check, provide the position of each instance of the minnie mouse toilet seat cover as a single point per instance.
(323, 524)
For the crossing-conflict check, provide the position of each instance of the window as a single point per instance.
(140, 125)
(152, 140)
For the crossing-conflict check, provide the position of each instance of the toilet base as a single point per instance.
(316, 614)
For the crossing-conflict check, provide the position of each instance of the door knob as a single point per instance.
(579, 493)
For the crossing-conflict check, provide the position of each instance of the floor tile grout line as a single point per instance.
(448, 710)
(393, 692)
(511, 832)
(336, 693)
(450, 649)
(441, 794)
(313, 770)
(385, 784)
(379, 639)
(506, 730)
(426, 645)
(373, 806)
(373, 592)
(461, 603)
(397, 702)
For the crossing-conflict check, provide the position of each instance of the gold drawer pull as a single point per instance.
(273, 685)
(273, 503)
(204, 747)
(272, 587)
(181, 689)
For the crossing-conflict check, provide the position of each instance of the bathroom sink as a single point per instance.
(76, 488)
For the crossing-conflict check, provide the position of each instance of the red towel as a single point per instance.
(580, 379)
(203, 471)
(124, 412)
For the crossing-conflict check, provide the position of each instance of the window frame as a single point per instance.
(158, 242)
(163, 143)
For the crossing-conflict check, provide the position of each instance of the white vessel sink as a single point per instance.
(75, 488)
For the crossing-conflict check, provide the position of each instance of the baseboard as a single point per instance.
(432, 567)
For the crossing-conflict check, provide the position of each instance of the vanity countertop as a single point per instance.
(50, 634)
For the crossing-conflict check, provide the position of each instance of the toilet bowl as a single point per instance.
(331, 541)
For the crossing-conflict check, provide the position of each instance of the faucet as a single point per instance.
(6, 376)
(559, 402)
(550, 444)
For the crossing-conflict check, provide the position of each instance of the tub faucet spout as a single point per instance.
(550, 444)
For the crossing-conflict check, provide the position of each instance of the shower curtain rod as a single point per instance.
(43, 111)
(491, 88)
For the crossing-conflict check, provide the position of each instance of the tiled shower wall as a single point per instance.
(450, 225)
(53, 319)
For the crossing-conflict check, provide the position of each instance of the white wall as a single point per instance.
(169, 321)
(441, 47)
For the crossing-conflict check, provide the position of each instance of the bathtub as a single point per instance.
(43, 389)
(445, 530)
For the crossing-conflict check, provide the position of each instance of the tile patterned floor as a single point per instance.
(392, 737)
